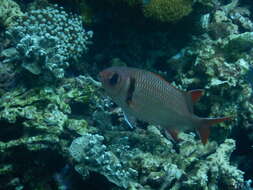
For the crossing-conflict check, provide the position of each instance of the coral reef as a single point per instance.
(219, 63)
(9, 13)
(167, 10)
(36, 123)
(41, 118)
(51, 127)
(147, 160)
(218, 60)
(48, 40)
(7, 76)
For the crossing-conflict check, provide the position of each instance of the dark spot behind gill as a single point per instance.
(114, 79)
(130, 91)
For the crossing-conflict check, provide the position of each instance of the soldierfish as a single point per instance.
(146, 96)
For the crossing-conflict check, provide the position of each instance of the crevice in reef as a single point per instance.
(95, 181)
(11, 131)
(243, 151)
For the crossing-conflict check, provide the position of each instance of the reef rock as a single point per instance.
(147, 160)
(36, 130)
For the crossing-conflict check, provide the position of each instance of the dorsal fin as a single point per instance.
(196, 95)
(192, 97)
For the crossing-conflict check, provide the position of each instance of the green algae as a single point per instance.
(9, 13)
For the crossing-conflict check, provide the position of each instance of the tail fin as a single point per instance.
(204, 128)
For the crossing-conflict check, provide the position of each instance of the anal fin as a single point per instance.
(204, 133)
(204, 128)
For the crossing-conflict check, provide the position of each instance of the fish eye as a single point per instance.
(114, 79)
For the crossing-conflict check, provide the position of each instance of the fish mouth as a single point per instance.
(102, 76)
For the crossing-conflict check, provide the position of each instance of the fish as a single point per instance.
(146, 96)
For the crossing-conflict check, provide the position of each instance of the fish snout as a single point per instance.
(104, 76)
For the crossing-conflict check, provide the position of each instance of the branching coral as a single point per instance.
(48, 39)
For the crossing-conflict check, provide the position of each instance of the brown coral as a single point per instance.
(167, 10)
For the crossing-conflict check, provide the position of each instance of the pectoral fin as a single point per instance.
(192, 97)
(131, 120)
(196, 94)
(172, 134)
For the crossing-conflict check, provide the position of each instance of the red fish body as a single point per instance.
(146, 96)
